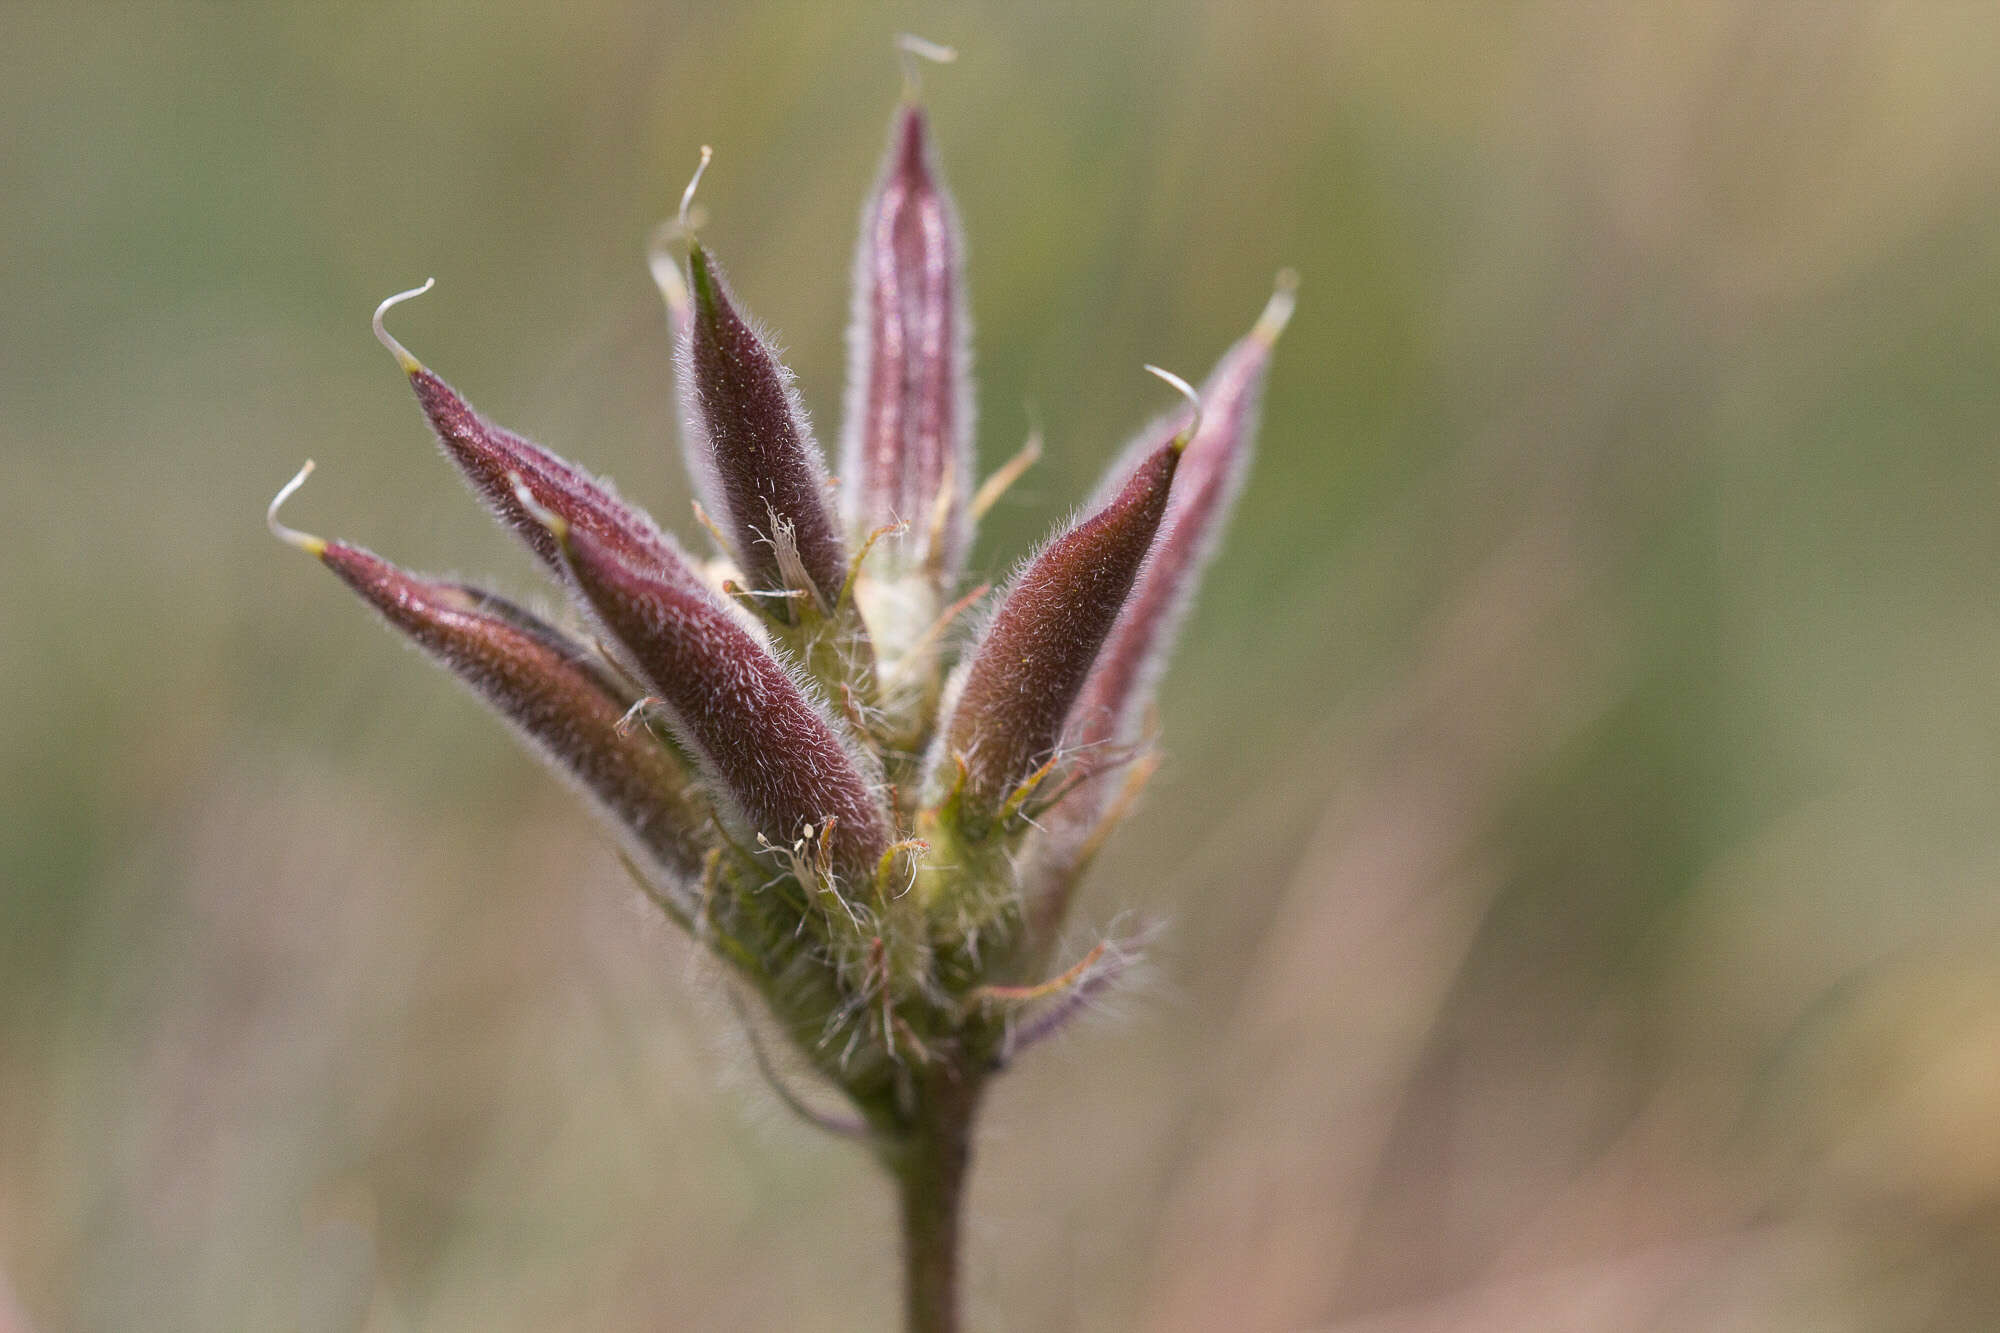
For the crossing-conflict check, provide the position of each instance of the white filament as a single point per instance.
(304, 541)
(409, 363)
(687, 195)
(1187, 392)
(909, 47)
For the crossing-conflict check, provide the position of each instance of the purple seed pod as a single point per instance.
(1027, 669)
(906, 451)
(749, 444)
(554, 692)
(488, 455)
(1114, 699)
(768, 749)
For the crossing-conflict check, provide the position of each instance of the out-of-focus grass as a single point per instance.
(1582, 823)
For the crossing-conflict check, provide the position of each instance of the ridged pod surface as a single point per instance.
(907, 446)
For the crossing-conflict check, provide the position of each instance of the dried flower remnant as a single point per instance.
(876, 841)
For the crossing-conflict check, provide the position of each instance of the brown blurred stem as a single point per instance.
(930, 1166)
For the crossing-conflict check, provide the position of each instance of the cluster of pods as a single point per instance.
(868, 790)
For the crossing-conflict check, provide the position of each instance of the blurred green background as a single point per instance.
(1581, 829)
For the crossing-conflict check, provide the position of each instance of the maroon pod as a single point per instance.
(907, 444)
(491, 458)
(1034, 658)
(1121, 684)
(768, 749)
(749, 445)
(555, 695)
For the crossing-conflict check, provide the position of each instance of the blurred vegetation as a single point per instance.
(1581, 830)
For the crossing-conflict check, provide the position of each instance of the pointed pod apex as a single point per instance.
(497, 463)
(909, 49)
(660, 261)
(304, 541)
(410, 364)
(1278, 310)
(710, 302)
(1186, 390)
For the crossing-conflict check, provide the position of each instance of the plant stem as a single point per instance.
(930, 1175)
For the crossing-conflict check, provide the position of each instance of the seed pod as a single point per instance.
(1026, 672)
(770, 752)
(749, 444)
(556, 695)
(489, 456)
(906, 452)
(1121, 684)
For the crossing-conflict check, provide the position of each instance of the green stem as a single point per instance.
(930, 1175)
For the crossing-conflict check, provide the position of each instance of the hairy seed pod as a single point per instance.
(906, 452)
(558, 698)
(749, 444)
(1122, 682)
(767, 747)
(1033, 659)
(1108, 722)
